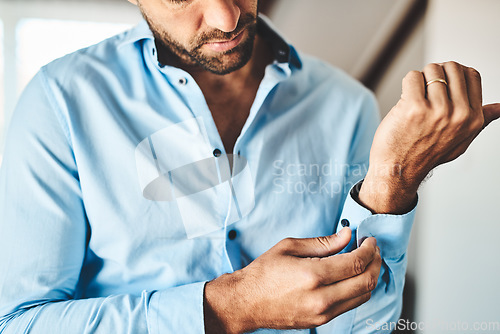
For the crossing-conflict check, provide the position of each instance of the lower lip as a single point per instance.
(225, 46)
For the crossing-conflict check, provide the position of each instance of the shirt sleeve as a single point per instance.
(44, 236)
(391, 231)
(393, 234)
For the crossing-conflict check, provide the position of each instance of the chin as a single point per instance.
(228, 62)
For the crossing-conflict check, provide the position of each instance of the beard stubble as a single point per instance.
(221, 63)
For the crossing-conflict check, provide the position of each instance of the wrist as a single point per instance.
(388, 193)
(224, 306)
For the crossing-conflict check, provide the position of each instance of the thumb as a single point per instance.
(491, 112)
(320, 246)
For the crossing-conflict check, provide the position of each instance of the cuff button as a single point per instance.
(232, 235)
(345, 223)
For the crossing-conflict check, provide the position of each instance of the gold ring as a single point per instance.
(436, 80)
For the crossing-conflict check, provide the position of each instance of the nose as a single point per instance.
(222, 14)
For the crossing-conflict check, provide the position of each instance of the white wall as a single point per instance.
(458, 268)
(347, 34)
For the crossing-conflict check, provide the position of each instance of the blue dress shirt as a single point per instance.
(118, 201)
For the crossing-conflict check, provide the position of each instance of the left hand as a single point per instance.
(429, 126)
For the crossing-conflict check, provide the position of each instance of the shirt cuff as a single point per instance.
(177, 310)
(391, 231)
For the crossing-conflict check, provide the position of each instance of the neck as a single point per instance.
(230, 97)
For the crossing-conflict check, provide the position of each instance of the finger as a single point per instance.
(348, 305)
(474, 88)
(318, 247)
(457, 86)
(355, 286)
(437, 93)
(491, 112)
(342, 266)
(413, 86)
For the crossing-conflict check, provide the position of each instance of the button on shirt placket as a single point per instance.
(192, 93)
(274, 74)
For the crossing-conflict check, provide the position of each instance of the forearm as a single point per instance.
(392, 232)
(117, 314)
(173, 310)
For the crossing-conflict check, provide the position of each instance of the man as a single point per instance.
(151, 183)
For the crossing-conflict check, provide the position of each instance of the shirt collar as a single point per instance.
(140, 32)
(283, 52)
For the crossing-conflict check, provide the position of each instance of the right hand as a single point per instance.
(297, 284)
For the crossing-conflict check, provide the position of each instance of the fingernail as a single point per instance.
(345, 230)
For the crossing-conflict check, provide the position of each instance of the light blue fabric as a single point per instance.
(114, 211)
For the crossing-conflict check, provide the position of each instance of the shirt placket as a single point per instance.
(233, 198)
